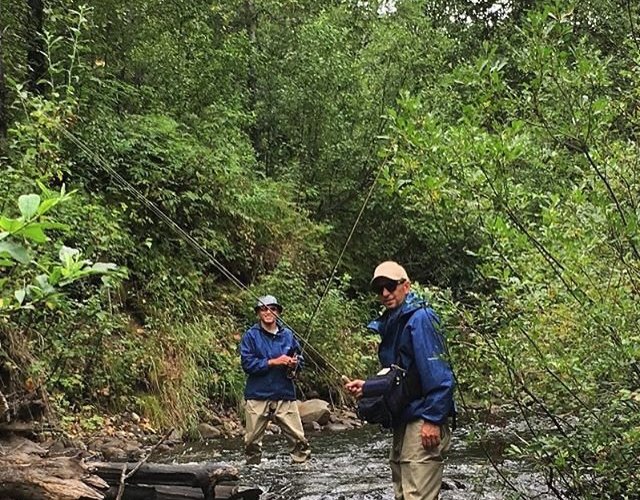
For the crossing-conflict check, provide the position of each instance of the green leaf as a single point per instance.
(103, 267)
(47, 205)
(55, 225)
(55, 275)
(68, 254)
(42, 280)
(28, 204)
(15, 250)
(20, 295)
(9, 225)
(45, 190)
(35, 233)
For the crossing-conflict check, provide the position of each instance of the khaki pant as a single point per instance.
(416, 472)
(284, 414)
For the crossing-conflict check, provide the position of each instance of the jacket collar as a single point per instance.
(410, 304)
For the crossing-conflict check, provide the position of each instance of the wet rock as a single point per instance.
(314, 410)
(175, 437)
(163, 447)
(348, 414)
(311, 426)
(337, 427)
(273, 428)
(66, 447)
(133, 450)
(209, 431)
(56, 447)
(113, 454)
(453, 484)
(215, 420)
(76, 444)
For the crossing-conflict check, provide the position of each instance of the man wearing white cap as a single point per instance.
(411, 338)
(270, 355)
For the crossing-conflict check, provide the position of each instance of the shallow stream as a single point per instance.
(353, 465)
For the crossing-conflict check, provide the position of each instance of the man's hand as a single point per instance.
(293, 362)
(355, 387)
(282, 360)
(430, 434)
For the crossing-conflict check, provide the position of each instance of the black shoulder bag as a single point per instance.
(385, 396)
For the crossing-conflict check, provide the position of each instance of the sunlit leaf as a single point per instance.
(103, 267)
(28, 204)
(68, 254)
(35, 233)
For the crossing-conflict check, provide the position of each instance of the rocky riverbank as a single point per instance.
(128, 436)
(57, 456)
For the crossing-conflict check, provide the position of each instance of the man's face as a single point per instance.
(267, 314)
(391, 293)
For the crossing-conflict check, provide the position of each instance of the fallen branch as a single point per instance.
(124, 476)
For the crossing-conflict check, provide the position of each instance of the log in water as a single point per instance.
(206, 481)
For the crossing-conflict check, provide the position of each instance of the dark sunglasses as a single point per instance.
(268, 308)
(389, 285)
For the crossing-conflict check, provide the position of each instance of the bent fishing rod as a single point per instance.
(184, 235)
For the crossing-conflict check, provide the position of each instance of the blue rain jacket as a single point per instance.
(256, 348)
(411, 338)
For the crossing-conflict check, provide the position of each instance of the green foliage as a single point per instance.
(18, 236)
(524, 162)
(36, 292)
(504, 143)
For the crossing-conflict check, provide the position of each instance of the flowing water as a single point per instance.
(353, 465)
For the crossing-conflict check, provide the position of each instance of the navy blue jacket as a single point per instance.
(411, 338)
(256, 348)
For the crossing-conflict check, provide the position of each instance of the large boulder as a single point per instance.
(314, 410)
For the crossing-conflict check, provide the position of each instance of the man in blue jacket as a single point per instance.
(411, 338)
(270, 356)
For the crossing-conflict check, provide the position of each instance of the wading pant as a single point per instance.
(416, 472)
(286, 416)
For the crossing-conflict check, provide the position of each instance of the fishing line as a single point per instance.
(344, 248)
(186, 237)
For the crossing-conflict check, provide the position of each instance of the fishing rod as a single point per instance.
(223, 269)
(344, 248)
(122, 182)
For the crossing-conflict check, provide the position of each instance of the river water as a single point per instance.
(353, 465)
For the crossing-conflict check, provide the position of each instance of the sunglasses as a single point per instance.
(389, 285)
(268, 308)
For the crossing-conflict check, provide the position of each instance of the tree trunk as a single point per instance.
(36, 62)
(28, 477)
(193, 475)
(3, 105)
(171, 481)
(222, 492)
(251, 26)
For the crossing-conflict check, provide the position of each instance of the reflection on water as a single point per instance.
(353, 465)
